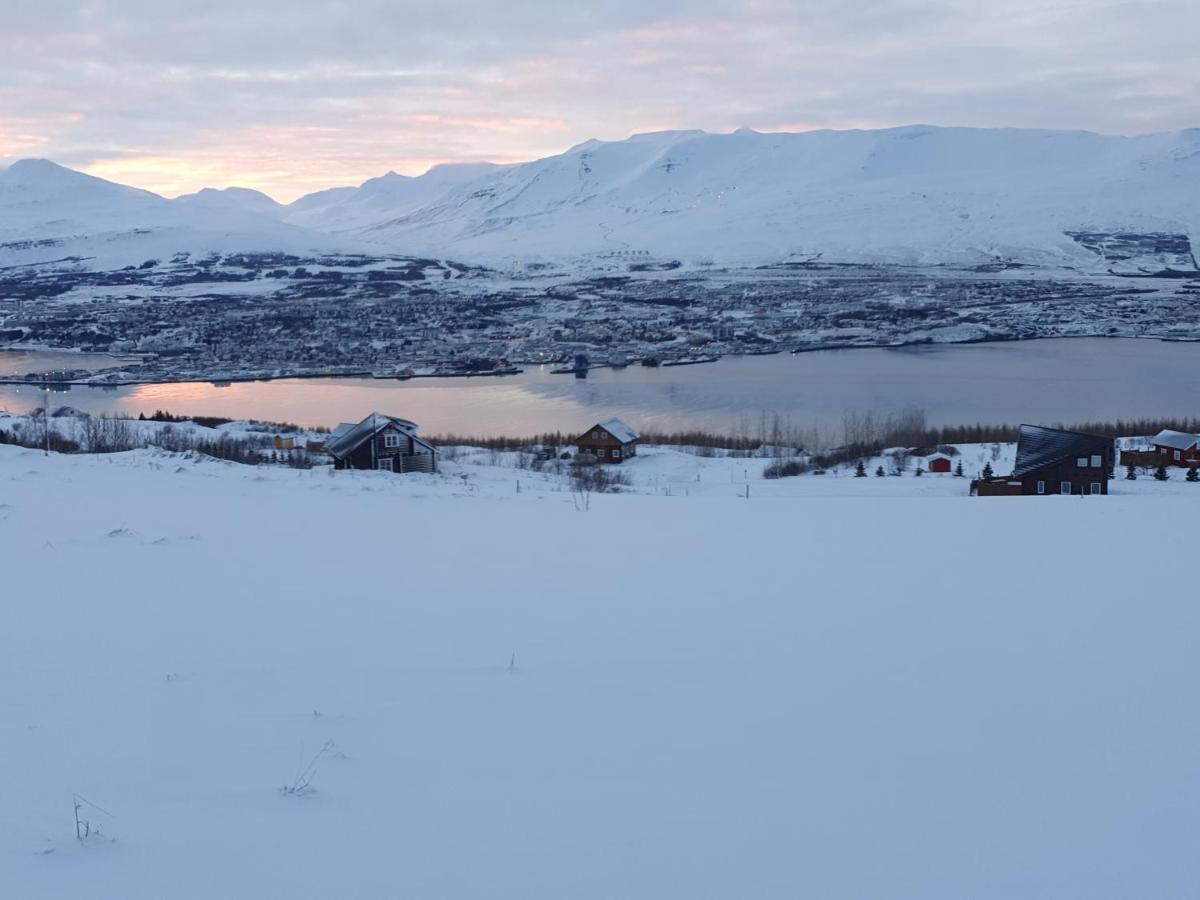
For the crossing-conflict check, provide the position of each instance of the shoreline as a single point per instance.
(36, 379)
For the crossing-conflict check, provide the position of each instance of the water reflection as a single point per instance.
(1068, 380)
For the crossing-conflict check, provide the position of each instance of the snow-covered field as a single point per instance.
(838, 687)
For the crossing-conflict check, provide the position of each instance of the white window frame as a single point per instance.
(384, 464)
(1095, 488)
(391, 441)
(1064, 484)
(1081, 462)
(600, 452)
(616, 454)
(1041, 487)
(1097, 462)
(1176, 454)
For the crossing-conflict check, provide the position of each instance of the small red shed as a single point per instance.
(939, 463)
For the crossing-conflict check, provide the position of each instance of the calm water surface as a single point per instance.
(1030, 381)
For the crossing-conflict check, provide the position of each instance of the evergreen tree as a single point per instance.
(1193, 475)
(1130, 473)
(879, 472)
(860, 470)
(958, 473)
(987, 471)
(1160, 474)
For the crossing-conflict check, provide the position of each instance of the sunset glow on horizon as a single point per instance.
(219, 94)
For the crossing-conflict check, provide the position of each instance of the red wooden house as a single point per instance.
(1177, 448)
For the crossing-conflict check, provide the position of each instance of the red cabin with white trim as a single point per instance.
(1177, 448)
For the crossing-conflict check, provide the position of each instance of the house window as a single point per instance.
(1097, 462)
(595, 435)
(1064, 487)
(1081, 462)
(1177, 454)
(1041, 487)
(391, 441)
(601, 452)
(1095, 487)
(617, 453)
(384, 465)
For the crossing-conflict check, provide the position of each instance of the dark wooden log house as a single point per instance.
(1053, 461)
(380, 442)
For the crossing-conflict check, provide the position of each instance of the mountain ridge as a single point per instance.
(916, 194)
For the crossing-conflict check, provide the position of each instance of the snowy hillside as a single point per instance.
(911, 195)
(914, 195)
(49, 212)
(381, 200)
(459, 691)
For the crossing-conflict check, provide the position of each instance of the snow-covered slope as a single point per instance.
(864, 696)
(383, 199)
(49, 212)
(230, 201)
(917, 194)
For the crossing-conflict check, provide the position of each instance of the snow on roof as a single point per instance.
(1179, 440)
(341, 443)
(619, 430)
(1038, 446)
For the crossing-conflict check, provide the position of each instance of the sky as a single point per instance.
(292, 97)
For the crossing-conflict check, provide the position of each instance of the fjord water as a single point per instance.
(1057, 380)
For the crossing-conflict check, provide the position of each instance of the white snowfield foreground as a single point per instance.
(850, 688)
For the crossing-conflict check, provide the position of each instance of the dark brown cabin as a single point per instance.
(1053, 461)
(610, 441)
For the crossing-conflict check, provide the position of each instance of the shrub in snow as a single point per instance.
(597, 477)
(781, 468)
(302, 783)
(1193, 475)
(860, 470)
(1160, 474)
(1130, 473)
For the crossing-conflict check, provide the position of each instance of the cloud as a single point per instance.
(290, 97)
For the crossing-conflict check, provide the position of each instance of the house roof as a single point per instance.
(1038, 447)
(1177, 440)
(342, 443)
(619, 430)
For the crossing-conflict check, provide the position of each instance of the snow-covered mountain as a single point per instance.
(384, 199)
(50, 212)
(918, 194)
(232, 201)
